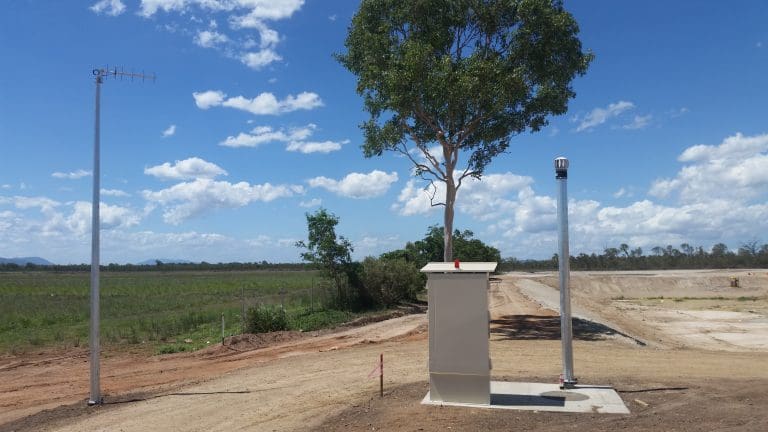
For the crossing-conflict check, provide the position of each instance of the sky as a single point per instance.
(251, 124)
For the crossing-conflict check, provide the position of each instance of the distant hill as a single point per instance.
(26, 260)
(154, 261)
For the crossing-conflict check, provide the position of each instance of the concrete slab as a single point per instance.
(547, 397)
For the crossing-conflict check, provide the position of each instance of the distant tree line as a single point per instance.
(161, 266)
(749, 255)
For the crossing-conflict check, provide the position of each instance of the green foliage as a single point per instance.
(308, 320)
(44, 308)
(263, 319)
(390, 281)
(166, 267)
(464, 74)
(430, 248)
(331, 254)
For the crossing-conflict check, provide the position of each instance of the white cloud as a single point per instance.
(314, 202)
(599, 116)
(192, 168)
(263, 10)
(185, 200)
(5, 186)
(639, 122)
(414, 200)
(736, 169)
(357, 185)
(620, 193)
(373, 245)
(170, 131)
(242, 15)
(258, 59)
(307, 147)
(759, 44)
(22, 202)
(150, 7)
(63, 237)
(332, 17)
(114, 193)
(264, 104)
(266, 134)
(74, 175)
(110, 217)
(207, 99)
(483, 199)
(268, 37)
(295, 138)
(210, 39)
(44, 218)
(108, 7)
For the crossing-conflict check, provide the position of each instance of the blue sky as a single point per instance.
(251, 124)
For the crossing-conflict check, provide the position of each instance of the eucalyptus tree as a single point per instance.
(448, 83)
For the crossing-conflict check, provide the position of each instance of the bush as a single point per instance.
(263, 319)
(308, 321)
(389, 281)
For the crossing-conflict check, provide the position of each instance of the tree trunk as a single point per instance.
(450, 200)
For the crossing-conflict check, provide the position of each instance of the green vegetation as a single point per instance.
(389, 282)
(265, 318)
(430, 248)
(327, 252)
(43, 308)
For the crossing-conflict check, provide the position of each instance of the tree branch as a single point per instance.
(432, 202)
(419, 166)
(432, 160)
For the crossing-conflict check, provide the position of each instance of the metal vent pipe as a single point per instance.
(566, 328)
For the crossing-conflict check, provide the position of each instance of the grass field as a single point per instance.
(158, 310)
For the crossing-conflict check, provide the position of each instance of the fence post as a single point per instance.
(242, 309)
(222, 328)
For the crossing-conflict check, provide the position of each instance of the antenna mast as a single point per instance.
(95, 337)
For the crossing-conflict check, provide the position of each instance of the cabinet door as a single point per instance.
(458, 332)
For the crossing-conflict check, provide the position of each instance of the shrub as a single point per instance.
(389, 281)
(263, 319)
(308, 321)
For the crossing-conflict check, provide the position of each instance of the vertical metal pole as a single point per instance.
(95, 337)
(566, 330)
(381, 375)
(222, 328)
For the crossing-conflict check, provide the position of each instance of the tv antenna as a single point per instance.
(94, 338)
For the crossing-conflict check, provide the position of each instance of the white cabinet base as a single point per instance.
(474, 389)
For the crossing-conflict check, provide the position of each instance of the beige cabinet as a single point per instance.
(459, 362)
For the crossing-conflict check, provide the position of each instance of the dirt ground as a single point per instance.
(672, 376)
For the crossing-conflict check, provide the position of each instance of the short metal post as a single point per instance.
(222, 328)
(242, 309)
(381, 375)
(566, 329)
